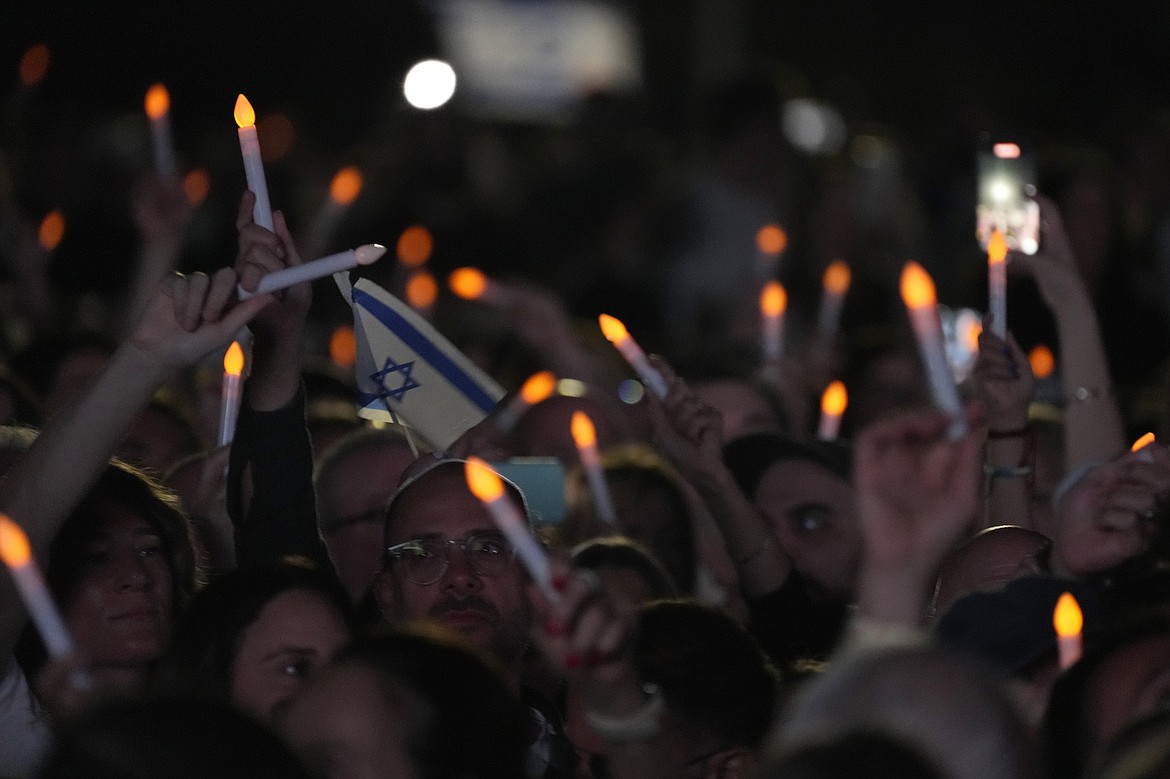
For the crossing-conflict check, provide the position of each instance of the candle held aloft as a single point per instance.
(17, 555)
(921, 303)
(158, 109)
(833, 403)
(585, 437)
(536, 388)
(835, 283)
(488, 487)
(773, 303)
(1068, 620)
(615, 332)
(229, 407)
(997, 283)
(472, 284)
(1141, 444)
(315, 269)
(253, 165)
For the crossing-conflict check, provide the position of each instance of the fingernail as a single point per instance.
(572, 660)
(553, 628)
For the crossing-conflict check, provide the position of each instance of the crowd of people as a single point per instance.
(327, 597)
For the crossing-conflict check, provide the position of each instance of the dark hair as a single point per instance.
(126, 487)
(463, 720)
(717, 683)
(209, 633)
(183, 738)
(622, 552)
(854, 755)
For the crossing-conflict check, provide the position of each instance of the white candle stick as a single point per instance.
(921, 303)
(487, 485)
(536, 388)
(771, 241)
(585, 437)
(158, 109)
(38, 601)
(833, 402)
(1068, 620)
(835, 283)
(253, 163)
(229, 408)
(343, 190)
(997, 283)
(773, 303)
(472, 284)
(315, 269)
(615, 332)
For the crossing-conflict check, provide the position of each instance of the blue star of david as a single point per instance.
(408, 382)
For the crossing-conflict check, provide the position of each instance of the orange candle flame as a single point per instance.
(346, 186)
(771, 239)
(917, 286)
(14, 547)
(422, 290)
(343, 347)
(538, 387)
(584, 434)
(773, 299)
(158, 101)
(1042, 360)
(612, 328)
(244, 113)
(414, 246)
(52, 230)
(483, 482)
(1142, 442)
(467, 283)
(971, 337)
(34, 64)
(233, 360)
(1067, 617)
(996, 248)
(837, 277)
(196, 185)
(834, 399)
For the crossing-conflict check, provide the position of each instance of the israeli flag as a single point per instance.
(407, 372)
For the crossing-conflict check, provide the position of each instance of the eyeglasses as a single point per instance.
(424, 560)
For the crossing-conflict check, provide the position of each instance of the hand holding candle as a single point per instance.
(487, 485)
(229, 408)
(835, 282)
(158, 109)
(997, 283)
(536, 388)
(17, 555)
(921, 303)
(585, 437)
(773, 303)
(615, 332)
(1068, 621)
(315, 269)
(833, 403)
(253, 164)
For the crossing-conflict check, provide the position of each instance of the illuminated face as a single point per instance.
(813, 513)
(119, 612)
(490, 611)
(294, 634)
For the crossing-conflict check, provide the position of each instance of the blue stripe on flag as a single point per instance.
(425, 349)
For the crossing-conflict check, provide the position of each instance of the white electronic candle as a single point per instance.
(833, 403)
(17, 554)
(343, 190)
(253, 163)
(315, 269)
(158, 109)
(921, 303)
(997, 283)
(585, 437)
(229, 407)
(615, 332)
(487, 485)
(536, 388)
(773, 303)
(1068, 620)
(472, 284)
(835, 283)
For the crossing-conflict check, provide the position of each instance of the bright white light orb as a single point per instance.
(429, 84)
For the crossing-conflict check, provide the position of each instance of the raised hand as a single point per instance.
(1003, 379)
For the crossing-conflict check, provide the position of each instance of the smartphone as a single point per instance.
(1007, 173)
(542, 480)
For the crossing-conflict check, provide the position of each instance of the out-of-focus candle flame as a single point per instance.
(612, 328)
(584, 434)
(233, 360)
(422, 290)
(244, 113)
(538, 387)
(837, 277)
(346, 186)
(773, 299)
(343, 346)
(917, 286)
(996, 248)
(1142, 442)
(834, 399)
(14, 547)
(415, 245)
(1042, 360)
(34, 64)
(467, 283)
(970, 337)
(483, 482)
(196, 185)
(1067, 617)
(771, 239)
(158, 101)
(52, 230)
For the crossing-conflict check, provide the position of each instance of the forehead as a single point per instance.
(801, 480)
(439, 502)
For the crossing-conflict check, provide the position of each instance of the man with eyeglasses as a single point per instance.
(445, 561)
